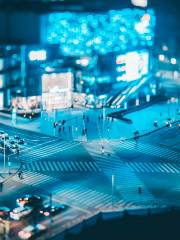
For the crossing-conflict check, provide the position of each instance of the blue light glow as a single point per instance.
(87, 34)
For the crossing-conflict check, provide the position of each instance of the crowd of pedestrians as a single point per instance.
(65, 127)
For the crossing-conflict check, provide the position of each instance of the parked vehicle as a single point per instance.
(4, 212)
(4, 135)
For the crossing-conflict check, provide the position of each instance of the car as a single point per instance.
(12, 143)
(4, 135)
(21, 141)
(4, 212)
(16, 137)
(32, 231)
(6, 148)
(18, 140)
(52, 210)
(11, 148)
(33, 201)
(20, 212)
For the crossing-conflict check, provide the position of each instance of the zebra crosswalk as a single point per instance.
(73, 193)
(146, 148)
(62, 166)
(122, 177)
(153, 167)
(90, 198)
(36, 180)
(46, 150)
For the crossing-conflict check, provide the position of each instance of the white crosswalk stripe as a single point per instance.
(147, 149)
(62, 166)
(125, 180)
(73, 192)
(153, 167)
(89, 197)
(47, 150)
(36, 179)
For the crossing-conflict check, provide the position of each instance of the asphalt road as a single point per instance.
(89, 180)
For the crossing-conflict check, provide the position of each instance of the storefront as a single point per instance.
(57, 90)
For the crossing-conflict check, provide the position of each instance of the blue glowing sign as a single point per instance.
(39, 55)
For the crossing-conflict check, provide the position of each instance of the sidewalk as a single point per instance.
(21, 123)
(97, 129)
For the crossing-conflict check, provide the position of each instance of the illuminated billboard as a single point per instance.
(140, 3)
(39, 55)
(132, 65)
(57, 90)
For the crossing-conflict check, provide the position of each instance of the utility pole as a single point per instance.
(4, 154)
(112, 186)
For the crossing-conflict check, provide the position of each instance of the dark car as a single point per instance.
(33, 201)
(21, 141)
(4, 212)
(4, 135)
(52, 210)
(17, 137)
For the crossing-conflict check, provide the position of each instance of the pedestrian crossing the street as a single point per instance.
(36, 180)
(90, 198)
(62, 166)
(154, 167)
(121, 176)
(47, 150)
(147, 149)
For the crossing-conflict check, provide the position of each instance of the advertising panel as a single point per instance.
(57, 90)
(132, 65)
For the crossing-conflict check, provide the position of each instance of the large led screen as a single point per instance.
(132, 65)
(57, 90)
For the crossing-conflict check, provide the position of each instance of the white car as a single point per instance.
(32, 232)
(20, 212)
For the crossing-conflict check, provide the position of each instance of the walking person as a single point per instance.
(69, 129)
(102, 149)
(20, 175)
(155, 124)
(139, 190)
(18, 151)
